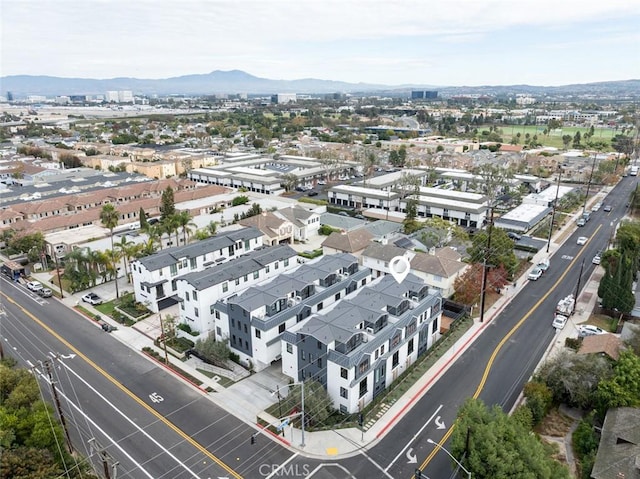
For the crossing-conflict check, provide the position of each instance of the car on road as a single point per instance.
(581, 222)
(343, 213)
(596, 207)
(34, 286)
(597, 258)
(44, 292)
(607, 208)
(582, 240)
(312, 193)
(543, 264)
(534, 274)
(589, 330)
(559, 321)
(92, 298)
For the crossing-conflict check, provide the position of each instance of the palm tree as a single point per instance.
(212, 228)
(109, 217)
(126, 250)
(183, 219)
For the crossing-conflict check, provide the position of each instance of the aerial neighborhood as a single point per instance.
(250, 235)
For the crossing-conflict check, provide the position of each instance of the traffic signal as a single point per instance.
(418, 474)
(253, 439)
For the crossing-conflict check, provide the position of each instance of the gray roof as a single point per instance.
(382, 227)
(618, 454)
(281, 286)
(384, 252)
(238, 267)
(170, 256)
(346, 223)
(296, 214)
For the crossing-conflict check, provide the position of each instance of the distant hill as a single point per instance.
(216, 82)
(237, 81)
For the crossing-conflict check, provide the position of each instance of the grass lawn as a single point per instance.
(106, 308)
(554, 138)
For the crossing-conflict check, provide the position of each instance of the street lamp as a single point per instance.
(555, 205)
(431, 441)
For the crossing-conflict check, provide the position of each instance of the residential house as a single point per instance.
(377, 256)
(439, 269)
(276, 229)
(601, 344)
(305, 223)
(618, 455)
(353, 242)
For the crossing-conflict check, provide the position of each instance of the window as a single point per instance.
(319, 344)
(344, 374)
(196, 312)
(289, 348)
(256, 274)
(344, 393)
(381, 350)
(276, 265)
(233, 339)
(246, 344)
(286, 262)
(237, 281)
(364, 281)
(319, 362)
(376, 355)
(174, 269)
(258, 333)
(245, 329)
(184, 263)
(320, 306)
(193, 263)
(434, 327)
(363, 366)
(246, 244)
(410, 347)
(363, 387)
(233, 323)
(395, 340)
(246, 278)
(303, 355)
(212, 309)
(266, 268)
(337, 297)
(225, 287)
(411, 329)
(182, 305)
(219, 331)
(186, 295)
(195, 296)
(217, 314)
(395, 360)
(281, 328)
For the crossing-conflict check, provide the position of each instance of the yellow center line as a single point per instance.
(129, 393)
(502, 342)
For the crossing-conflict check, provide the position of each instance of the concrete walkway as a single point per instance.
(248, 399)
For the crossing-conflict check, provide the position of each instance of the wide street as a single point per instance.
(155, 425)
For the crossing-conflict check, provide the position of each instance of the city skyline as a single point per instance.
(439, 43)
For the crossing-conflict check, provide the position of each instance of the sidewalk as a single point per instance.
(247, 404)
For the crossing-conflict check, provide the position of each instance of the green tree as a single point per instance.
(240, 200)
(184, 221)
(500, 254)
(500, 446)
(142, 218)
(566, 141)
(109, 217)
(217, 352)
(623, 389)
(573, 379)
(167, 204)
(539, 399)
(30, 244)
(317, 403)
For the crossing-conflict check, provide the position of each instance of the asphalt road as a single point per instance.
(156, 426)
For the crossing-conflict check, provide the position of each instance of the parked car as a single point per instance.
(34, 286)
(322, 182)
(312, 193)
(44, 292)
(581, 222)
(534, 274)
(589, 330)
(514, 236)
(607, 208)
(597, 258)
(343, 213)
(92, 298)
(559, 321)
(543, 265)
(582, 240)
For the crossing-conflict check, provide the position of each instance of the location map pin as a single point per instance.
(399, 267)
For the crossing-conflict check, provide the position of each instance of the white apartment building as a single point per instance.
(155, 277)
(200, 290)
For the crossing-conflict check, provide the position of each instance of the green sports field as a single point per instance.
(554, 138)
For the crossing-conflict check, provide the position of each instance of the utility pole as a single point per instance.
(106, 458)
(555, 205)
(55, 256)
(586, 197)
(483, 290)
(47, 365)
(575, 302)
(163, 337)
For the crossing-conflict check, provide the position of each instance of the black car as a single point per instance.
(312, 193)
(514, 236)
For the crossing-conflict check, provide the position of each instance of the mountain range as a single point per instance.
(237, 81)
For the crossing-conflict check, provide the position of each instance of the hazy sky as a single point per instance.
(392, 42)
